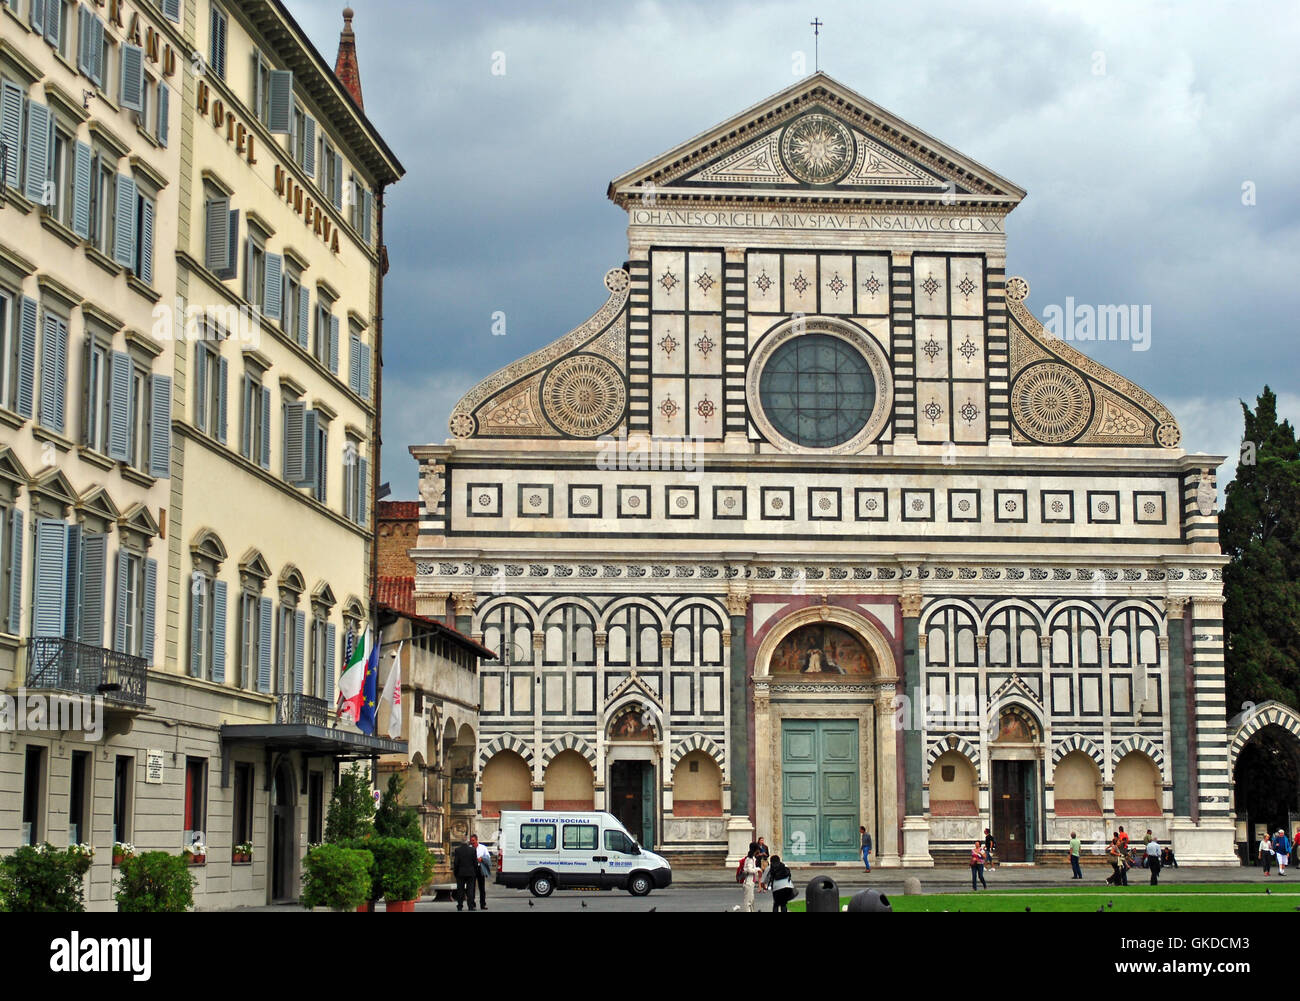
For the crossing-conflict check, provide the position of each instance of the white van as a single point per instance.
(545, 850)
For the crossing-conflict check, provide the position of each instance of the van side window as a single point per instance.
(580, 836)
(536, 835)
(617, 841)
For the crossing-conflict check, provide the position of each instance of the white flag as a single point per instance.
(392, 696)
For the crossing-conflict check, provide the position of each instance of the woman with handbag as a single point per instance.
(977, 866)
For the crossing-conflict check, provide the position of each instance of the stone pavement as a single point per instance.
(943, 877)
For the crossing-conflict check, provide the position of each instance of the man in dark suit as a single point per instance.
(464, 866)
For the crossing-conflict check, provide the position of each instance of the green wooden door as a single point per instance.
(819, 790)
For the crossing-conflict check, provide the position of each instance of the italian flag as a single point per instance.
(352, 681)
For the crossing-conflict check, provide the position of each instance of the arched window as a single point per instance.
(697, 637)
(1074, 633)
(697, 786)
(508, 629)
(1134, 639)
(570, 637)
(1077, 784)
(570, 784)
(953, 786)
(633, 638)
(1013, 639)
(1138, 786)
(507, 784)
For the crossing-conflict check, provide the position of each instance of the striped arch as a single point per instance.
(952, 742)
(1113, 612)
(1245, 725)
(939, 605)
(506, 742)
(1078, 742)
(570, 742)
(1138, 743)
(698, 742)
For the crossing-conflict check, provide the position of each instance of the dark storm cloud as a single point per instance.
(1134, 131)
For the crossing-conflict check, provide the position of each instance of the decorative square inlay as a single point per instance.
(777, 503)
(1010, 505)
(1058, 506)
(585, 501)
(963, 505)
(1103, 507)
(918, 505)
(871, 504)
(536, 500)
(824, 504)
(483, 500)
(1148, 508)
(682, 502)
(634, 502)
(729, 503)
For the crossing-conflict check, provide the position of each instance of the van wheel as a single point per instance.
(639, 885)
(542, 885)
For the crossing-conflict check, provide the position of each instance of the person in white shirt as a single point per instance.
(1266, 853)
(1153, 860)
(482, 866)
(751, 870)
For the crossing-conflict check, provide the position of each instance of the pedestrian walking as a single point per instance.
(1266, 854)
(1076, 846)
(1281, 851)
(990, 846)
(1142, 855)
(464, 864)
(866, 847)
(781, 882)
(1113, 857)
(1153, 859)
(1295, 847)
(977, 859)
(482, 868)
(751, 869)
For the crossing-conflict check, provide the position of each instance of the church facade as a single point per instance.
(813, 526)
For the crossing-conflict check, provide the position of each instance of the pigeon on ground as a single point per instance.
(530, 903)
(583, 903)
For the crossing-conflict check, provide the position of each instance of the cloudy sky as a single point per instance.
(1158, 142)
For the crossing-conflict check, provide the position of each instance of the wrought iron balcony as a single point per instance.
(302, 709)
(63, 665)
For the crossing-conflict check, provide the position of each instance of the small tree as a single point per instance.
(394, 819)
(336, 877)
(44, 880)
(352, 808)
(155, 883)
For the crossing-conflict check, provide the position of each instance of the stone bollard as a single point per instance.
(911, 887)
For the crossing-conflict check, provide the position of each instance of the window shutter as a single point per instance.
(367, 216)
(124, 224)
(146, 241)
(172, 10)
(354, 363)
(295, 461)
(363, 496)
(264, 646)
(119, 407)
(218, 32)
(349, 479)
(54, 369)
(11, 129)
(322, 472)
(309, 146)
(164, 111)
(266, 428)
(299, 636)
(338, 181)
(331, 641)
(364, 388)
(231, 270)
(26, 356)
(219, 631)
(198, 588)
(38, 16)
(15, 572)
(50, 575)
(160, 426)
(222, 379)
(119, 605)
(84, 17)
(132, 78)
(304, 314)
(273, 293)
(36, 169)
(217, 252)
(249, 399)
(96, 52)
(72, 577)
(334, 344)
(148, 629)
(201, 387)
(310, 424)
(81, 158)
(280, 114)
(53, 23)
(94, 566)
(258, 97)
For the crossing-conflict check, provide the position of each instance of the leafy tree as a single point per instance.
(352, 808)
(1259, 529)
(393, 819)
(155, 883)
(44, 880)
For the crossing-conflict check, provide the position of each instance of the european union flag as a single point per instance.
(370, 694)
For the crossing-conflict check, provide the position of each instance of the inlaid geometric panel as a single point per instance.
(585, 501)
(668, 345)
(930, 285)
(668, 280)
(682, 502)
(873, 284)
(483, 500)
(1058, 506)
(968, 412)
(1148, 508)
(536, 500)
(1103, 507)
(967, 275)
(932, 349)
(763, 284)
(836, 281)
(871, 504)
(633, 501)
(932, 417)
(704, 283)
(918, 505)
(824, 503)
(1010, 505)
(777, 503)
(704, 346)
(963, 505)
(967, 352)
(668, 407)
(800, 283)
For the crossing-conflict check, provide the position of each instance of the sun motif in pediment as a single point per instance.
(818, 149)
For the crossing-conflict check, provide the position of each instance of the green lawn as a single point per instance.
(1199, 897)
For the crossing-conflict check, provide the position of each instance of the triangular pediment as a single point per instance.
(54, 484)
(824, 141)
(96, 501)
(138, 519)
(10, 468)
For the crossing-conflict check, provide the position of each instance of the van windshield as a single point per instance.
(617, 841)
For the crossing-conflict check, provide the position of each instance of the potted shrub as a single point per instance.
(45, 880)
(336, 877)
(243, 853)
(196, 854)
(122, 850)
(155, 882)
(403, 873)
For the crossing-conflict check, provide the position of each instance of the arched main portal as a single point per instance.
(1016, 792)
(1265, 753)
(284, 885)
(824, 741)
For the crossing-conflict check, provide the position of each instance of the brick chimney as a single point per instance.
(346, 67)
